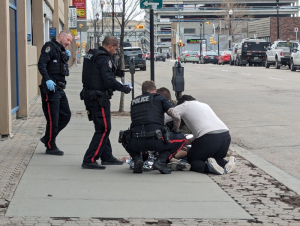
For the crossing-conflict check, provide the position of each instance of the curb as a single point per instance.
(281, 176)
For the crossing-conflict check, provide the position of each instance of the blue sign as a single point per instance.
(52, 32)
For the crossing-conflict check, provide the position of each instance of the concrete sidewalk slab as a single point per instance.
(114, 192)
(57, 186)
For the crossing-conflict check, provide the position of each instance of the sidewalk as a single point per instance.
(37, 189)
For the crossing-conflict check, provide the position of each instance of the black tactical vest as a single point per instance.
(143, 111)
(91, 77)
(58, 67)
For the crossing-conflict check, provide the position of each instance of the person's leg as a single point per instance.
(135, 149)
(101, 119)
(64, 112)
(51, 107)
(224, 139)
(199, 166)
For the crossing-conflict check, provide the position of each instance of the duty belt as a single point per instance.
(157, 133)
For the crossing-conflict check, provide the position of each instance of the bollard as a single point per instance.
(178, 79)
(132, 71)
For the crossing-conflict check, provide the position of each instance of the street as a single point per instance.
(260, 106)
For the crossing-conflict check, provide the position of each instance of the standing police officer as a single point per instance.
(147, 129)
(98, 78)
(53, 66)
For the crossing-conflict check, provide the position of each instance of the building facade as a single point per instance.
(26, 26)
(182, 11)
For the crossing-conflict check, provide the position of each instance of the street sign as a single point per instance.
(52, 32)
(72, 17)
(74, 32)
(151, 4)
(296, 29)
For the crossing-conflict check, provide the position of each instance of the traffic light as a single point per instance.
(215, 43)
(211, 40)
(180, 43)
(80, 25)
(83, 44)
(139, 26)
(207, 22)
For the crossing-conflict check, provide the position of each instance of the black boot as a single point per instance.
(93, 165)
(112, 161)
(138, 164)
(55, 151)
(161, 165)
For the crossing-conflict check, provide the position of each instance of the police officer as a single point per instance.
(53, 66)
(147, 123)
(98, 78)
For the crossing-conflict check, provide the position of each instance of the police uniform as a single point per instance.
(98, 78)
(147, 124)
(53, 65)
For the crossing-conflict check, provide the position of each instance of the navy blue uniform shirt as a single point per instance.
(49, 53)
(105, 65)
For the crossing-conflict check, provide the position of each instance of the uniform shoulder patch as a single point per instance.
(47, 49)
(110, 64)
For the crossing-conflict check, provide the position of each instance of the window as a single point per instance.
(189, 30)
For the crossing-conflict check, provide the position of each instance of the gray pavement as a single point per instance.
(57, 186)
(36, 189)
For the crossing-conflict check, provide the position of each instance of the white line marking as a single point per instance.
(224, 70)
(275, 78)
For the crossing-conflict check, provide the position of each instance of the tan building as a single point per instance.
(24, 30)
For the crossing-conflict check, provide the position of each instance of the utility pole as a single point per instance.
(102, 3)
(152, 44)
(113, 18)
(277, 19)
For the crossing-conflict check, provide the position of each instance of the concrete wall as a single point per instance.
(32, 72)
(50, 3)
(61, 12)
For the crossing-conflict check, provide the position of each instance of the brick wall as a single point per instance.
(286, 28)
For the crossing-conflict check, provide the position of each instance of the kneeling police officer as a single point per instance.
(98, 78)
(147, 132)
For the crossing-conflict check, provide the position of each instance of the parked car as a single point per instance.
(224, 58)
(295, 59)
(137, 54)
(147, 56)
(209, 57)
(190, 56)
(160, 57)
(280, 53)
(252, 52)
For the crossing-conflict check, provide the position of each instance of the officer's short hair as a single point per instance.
(164, 92)
(148, 86)
(64, 33)
(110, 40)
(185, 98)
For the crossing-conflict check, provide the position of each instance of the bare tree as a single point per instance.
(239, 19)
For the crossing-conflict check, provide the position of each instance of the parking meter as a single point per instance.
(178, 79)
(132, 71)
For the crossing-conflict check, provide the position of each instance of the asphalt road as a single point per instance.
(260, 106)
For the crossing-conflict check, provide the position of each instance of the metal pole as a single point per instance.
(277, 19)
(113, 18)
(200, 39)
(218, 44)
(102, 17)
(229, 31)
(179, 25)
(80, 40)
(204, 34)
(152, 44)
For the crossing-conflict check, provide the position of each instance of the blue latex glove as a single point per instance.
(50, 85)
(128, 84)
(68, 53)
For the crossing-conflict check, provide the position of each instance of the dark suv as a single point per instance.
(137, 53)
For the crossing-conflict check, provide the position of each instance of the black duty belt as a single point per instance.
(157, 133)
(61, 85)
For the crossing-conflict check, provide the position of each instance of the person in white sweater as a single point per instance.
(211, 138)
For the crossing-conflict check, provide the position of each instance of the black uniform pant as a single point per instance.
(166, 151)
(100, 146)
(208, 146)
(57, 112)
